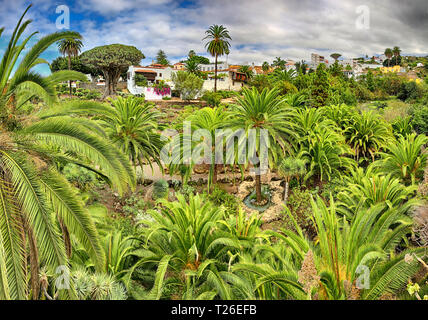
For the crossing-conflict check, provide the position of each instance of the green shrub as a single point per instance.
(299, 203)
(420, 118)
(225, 94)
(212, 98)
(187, 191)
(188, 84)
(135, 205)
(286, 87)
(410, 91)
(93, 94)
(160, 189)
(220, 197)
(82, 178)
(140, 80)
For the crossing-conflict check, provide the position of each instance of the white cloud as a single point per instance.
(261, 29)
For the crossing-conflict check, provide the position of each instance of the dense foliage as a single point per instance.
(346, 156)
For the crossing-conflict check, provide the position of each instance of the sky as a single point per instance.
(260, 29)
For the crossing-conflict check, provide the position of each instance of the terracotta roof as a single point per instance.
(156, 66)
(145, 70)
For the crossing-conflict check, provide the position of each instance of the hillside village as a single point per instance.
(232, 77)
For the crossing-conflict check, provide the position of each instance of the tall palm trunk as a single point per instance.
(215, 74)
(258, 188)
(69, 68)
(285, 192)
(215, 173)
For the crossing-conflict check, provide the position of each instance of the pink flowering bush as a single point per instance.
(162, 89)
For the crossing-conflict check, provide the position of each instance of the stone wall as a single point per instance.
(93, 86)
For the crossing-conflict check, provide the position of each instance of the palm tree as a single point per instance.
(18, 84)
(34, 197)
(278, 63)
(210, 119)
(396, 51)
(192, 66)
(265, 66)
(388, 53)
(130, 123)
(247, 71)
(283, 75)
(217, 45)
(70, 48)
(263, 111)
(290, 168)
(191, 53)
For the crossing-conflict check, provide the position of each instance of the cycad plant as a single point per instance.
(367, 133)
(309, 120)
(212, 120)
(187, 239)
(406, 159)
(348, 260)
(35, 200)
(341, 114)
(296, 100)
(326, 153)
(267, 273)
(368, 189)
(402, 127)
(270, 120)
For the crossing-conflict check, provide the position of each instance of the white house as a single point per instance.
(211, 67)
(154, 74)
(228, 78)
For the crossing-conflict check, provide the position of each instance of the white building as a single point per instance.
(228, 79)
(154, 74)
(316, 59)
(210, 67)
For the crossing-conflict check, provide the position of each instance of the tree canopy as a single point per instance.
(112, 60)
(161, 58)
(61, 63)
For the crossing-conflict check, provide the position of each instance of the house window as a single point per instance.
(160, 74)
(129, 75)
